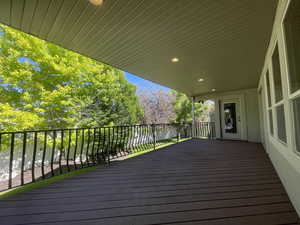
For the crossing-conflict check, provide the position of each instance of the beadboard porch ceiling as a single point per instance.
(222, 41)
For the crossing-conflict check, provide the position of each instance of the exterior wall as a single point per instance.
(283, 155)
(252, 114)
(249, 112)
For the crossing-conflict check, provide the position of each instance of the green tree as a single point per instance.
(45, 86)
(183, 108)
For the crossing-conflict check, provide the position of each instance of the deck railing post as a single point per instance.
(193, 116)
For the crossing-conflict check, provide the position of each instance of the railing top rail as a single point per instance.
(91, 128)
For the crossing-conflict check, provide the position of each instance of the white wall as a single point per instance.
(283, 155)
(252, 114)
(249, 112)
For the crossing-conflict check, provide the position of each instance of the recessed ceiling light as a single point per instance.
(96, 2)
(175, 60)
(213, 90)
(200, 79)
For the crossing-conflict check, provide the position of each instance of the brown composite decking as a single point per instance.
(190, 183)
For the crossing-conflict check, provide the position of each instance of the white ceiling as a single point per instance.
(222, 41)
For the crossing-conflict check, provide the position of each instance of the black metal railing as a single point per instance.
(28, 156)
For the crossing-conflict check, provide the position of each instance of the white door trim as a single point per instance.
(243, 116)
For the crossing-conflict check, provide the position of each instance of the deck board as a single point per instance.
(191, 183)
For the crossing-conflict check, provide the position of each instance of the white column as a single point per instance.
(193, 115)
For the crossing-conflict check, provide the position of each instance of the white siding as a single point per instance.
(283, 155)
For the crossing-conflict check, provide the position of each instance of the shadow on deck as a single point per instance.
(190, 183)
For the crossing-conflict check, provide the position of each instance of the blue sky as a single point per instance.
(143, 84)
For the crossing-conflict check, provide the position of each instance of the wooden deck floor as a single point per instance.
(191, 183)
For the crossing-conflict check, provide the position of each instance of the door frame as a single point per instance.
(237, 119)
(243, 125)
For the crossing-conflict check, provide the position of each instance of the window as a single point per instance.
(271, 122)
(277, 75)
(268, 89)
(292, 34)
(281, 130)
(296, 111)
(270, 113)
(291, 25)
(275, 99)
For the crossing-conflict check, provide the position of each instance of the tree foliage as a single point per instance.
(45, 86)
(183, 108)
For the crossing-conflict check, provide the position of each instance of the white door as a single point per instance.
(231, 119)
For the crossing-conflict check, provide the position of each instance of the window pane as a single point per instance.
(268, 89)
(271, 122)
(296, 109)
(281, 123)
(292, 34)
(277, 75)
(230, 118)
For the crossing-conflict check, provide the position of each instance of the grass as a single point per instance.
(50, 180)
(159, 145)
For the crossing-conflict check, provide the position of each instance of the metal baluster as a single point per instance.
(82, 146)
(98, 147)
(125, 136)
(75, 148)
(108, 145)
(44, 154)
(87, 147)
(149, 137)
(112, 142)
(128, 139)
(130, 130)
(53, 152)
(12, 146)
(147, 133)
(144, 137)
(61, 150)
(154, 138)
(138, 144)
(134, 140)
(23, 157)
(119, 140)
(103, 151)
(93, 146)
(69, 148)
(33, 157)
(124, 139)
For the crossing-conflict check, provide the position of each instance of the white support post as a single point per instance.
(193, 115)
